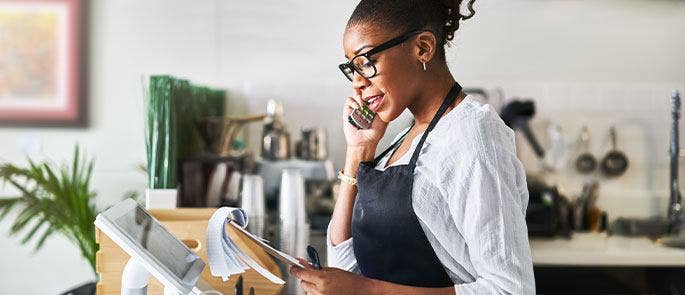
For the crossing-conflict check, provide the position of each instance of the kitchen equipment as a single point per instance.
(674, 208)
(211, 181)
(219, 133)
(556, 155)
(586, 162)
(313, 145)
(639, 227)
(275, 137)
(548, 212)
(254, 204)
(213, 178)
(516, 115)
(586, 215)
(658, 226)
(615, 162)
(595, 218)
(271, 171)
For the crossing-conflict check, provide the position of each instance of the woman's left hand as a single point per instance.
(329, 281)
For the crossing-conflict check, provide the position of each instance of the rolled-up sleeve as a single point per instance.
(341, 255)
(488, 208)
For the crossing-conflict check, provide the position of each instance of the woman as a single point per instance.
(443, 209)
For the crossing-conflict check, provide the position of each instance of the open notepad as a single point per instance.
(224, 256)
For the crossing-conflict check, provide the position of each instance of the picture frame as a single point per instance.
(43, 63)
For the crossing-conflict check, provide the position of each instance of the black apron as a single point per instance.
(389, 243)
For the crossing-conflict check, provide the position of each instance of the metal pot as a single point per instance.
(615, 162)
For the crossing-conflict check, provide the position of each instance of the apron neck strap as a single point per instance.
(392, 147)
(449, 99)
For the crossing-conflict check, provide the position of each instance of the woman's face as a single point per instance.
(394, 86)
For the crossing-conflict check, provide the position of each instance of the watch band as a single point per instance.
(346, 179)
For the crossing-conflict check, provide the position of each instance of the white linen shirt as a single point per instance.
(470, 197)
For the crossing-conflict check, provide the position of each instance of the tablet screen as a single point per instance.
(157, 241)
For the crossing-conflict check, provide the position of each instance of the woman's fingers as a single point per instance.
(309, 288)
(304, 263)
(358, 98)
(350, 105)
(306, 274)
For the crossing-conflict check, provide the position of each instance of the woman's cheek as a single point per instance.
(388, 113)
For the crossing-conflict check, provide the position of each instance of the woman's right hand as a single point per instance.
(361, 138)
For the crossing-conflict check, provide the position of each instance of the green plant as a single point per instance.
(53, 200)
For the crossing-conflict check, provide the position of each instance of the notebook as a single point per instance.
(224, 256)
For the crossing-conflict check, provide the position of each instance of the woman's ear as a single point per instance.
(425, 46)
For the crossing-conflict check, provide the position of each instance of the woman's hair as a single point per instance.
(439, 16)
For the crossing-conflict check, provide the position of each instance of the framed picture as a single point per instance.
(42, 63)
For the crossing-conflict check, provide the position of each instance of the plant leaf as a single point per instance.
(54, 199)
(7, 205)
(25, 216)
(33, 231)
(48, 232)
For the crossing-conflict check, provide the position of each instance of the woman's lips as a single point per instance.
(375, 102)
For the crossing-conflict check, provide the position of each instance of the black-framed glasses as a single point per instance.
(364, 65)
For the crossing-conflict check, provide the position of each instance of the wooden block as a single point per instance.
(190, 226)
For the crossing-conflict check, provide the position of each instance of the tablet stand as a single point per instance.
(135, 278)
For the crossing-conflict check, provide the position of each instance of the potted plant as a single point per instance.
(53, 200)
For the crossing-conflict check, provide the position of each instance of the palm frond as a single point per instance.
(47, 233)
(53, 199)
(6, 205)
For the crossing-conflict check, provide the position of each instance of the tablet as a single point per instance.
(144, 237)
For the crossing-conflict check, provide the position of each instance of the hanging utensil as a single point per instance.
(516, 115)
(586, 162)
(615, 163)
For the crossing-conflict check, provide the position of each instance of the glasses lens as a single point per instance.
(347, 71)
(364, 66)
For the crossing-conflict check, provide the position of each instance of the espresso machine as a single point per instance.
(310, 158)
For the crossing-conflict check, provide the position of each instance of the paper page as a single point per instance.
(222, 262)
(225, 258)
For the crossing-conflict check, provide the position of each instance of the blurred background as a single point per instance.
(598, 64)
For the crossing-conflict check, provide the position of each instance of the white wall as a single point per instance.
(578, 59)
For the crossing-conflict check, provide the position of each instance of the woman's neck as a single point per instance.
(427, 103)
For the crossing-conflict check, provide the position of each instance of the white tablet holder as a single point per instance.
(135, 278)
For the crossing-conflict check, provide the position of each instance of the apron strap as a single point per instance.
(392, 147)
(449, 99)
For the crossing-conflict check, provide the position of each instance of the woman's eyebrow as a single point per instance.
(361, 48)
(356, 52)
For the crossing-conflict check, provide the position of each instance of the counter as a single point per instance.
(594, 249)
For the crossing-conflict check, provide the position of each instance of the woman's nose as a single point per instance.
(359, 82)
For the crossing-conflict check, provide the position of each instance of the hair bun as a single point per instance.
(453, 15)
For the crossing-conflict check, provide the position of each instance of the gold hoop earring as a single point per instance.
(424, 66)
